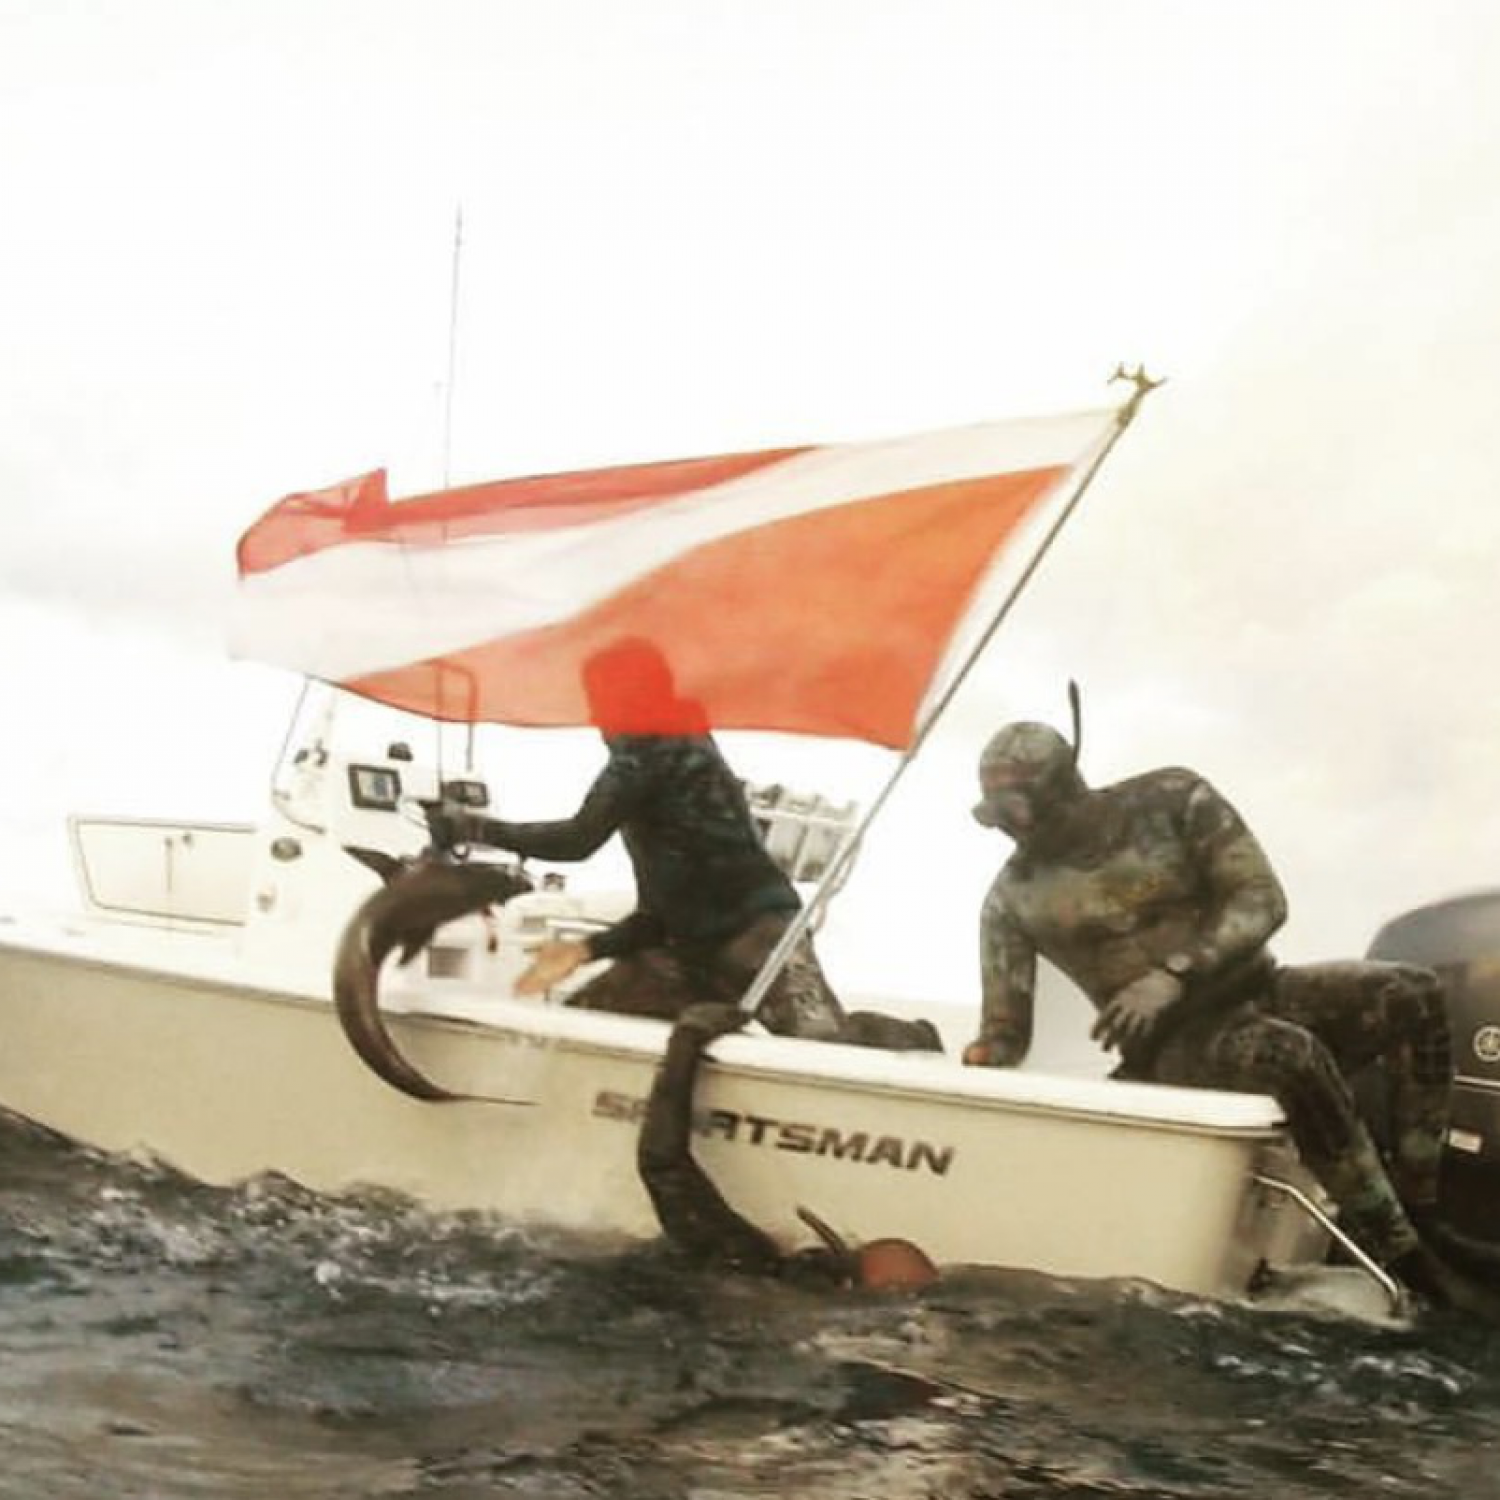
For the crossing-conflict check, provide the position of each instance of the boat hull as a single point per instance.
(226, 1080)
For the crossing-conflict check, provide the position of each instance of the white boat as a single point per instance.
(184, 1012)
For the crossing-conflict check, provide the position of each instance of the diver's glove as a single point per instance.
(1133, 1012)
(1003, 1044)
(988, 1052)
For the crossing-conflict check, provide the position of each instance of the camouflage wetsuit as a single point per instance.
(1159, 875)
(711, 902)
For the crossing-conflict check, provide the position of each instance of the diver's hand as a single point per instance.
(1132, 1013)
(551, 964)
(987, 1052)
(710, 1018)
(451, 824)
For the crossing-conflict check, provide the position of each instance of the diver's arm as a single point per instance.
(1007, 966)
(555, 961)
(691, 1210)
(640, 929)
(613, 798)
(1243, 905)
(1246, 904)
(565, 839)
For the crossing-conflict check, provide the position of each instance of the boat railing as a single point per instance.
(1372, 1268)
(803, 832)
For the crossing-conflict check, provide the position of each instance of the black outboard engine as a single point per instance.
(1460, 938)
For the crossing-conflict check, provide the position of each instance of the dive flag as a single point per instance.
(819, 590)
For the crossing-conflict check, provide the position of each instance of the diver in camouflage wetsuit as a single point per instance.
(1158, 902)
(712, 904)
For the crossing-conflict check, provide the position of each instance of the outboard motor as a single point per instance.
(1460, 938)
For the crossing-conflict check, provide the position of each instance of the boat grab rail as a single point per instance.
(1372, 1268)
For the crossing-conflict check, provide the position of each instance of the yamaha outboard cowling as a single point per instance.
(1460, 938)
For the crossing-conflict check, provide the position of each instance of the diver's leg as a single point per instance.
(651, 983)
(1393, 1014)
(1396, 1015)
(873, 1028)
(800, 1001)
(1258, 1053)
(1269, 1054)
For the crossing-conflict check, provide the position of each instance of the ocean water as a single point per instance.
(165, 1339)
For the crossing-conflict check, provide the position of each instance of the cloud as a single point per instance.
(691, 229)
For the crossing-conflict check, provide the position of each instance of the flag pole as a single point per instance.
(838, 866)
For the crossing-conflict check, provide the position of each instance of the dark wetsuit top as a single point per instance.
(701, 871)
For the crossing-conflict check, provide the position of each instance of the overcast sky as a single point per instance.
(692, 227)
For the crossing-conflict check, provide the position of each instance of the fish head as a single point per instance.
(431, 892)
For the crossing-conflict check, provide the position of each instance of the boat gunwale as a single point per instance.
(834, 1065)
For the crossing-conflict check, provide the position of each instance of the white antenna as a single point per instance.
(458, 242)
(458, 246)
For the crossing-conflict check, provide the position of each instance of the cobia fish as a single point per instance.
(418, 896)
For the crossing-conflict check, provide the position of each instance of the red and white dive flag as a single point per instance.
(818, 590)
